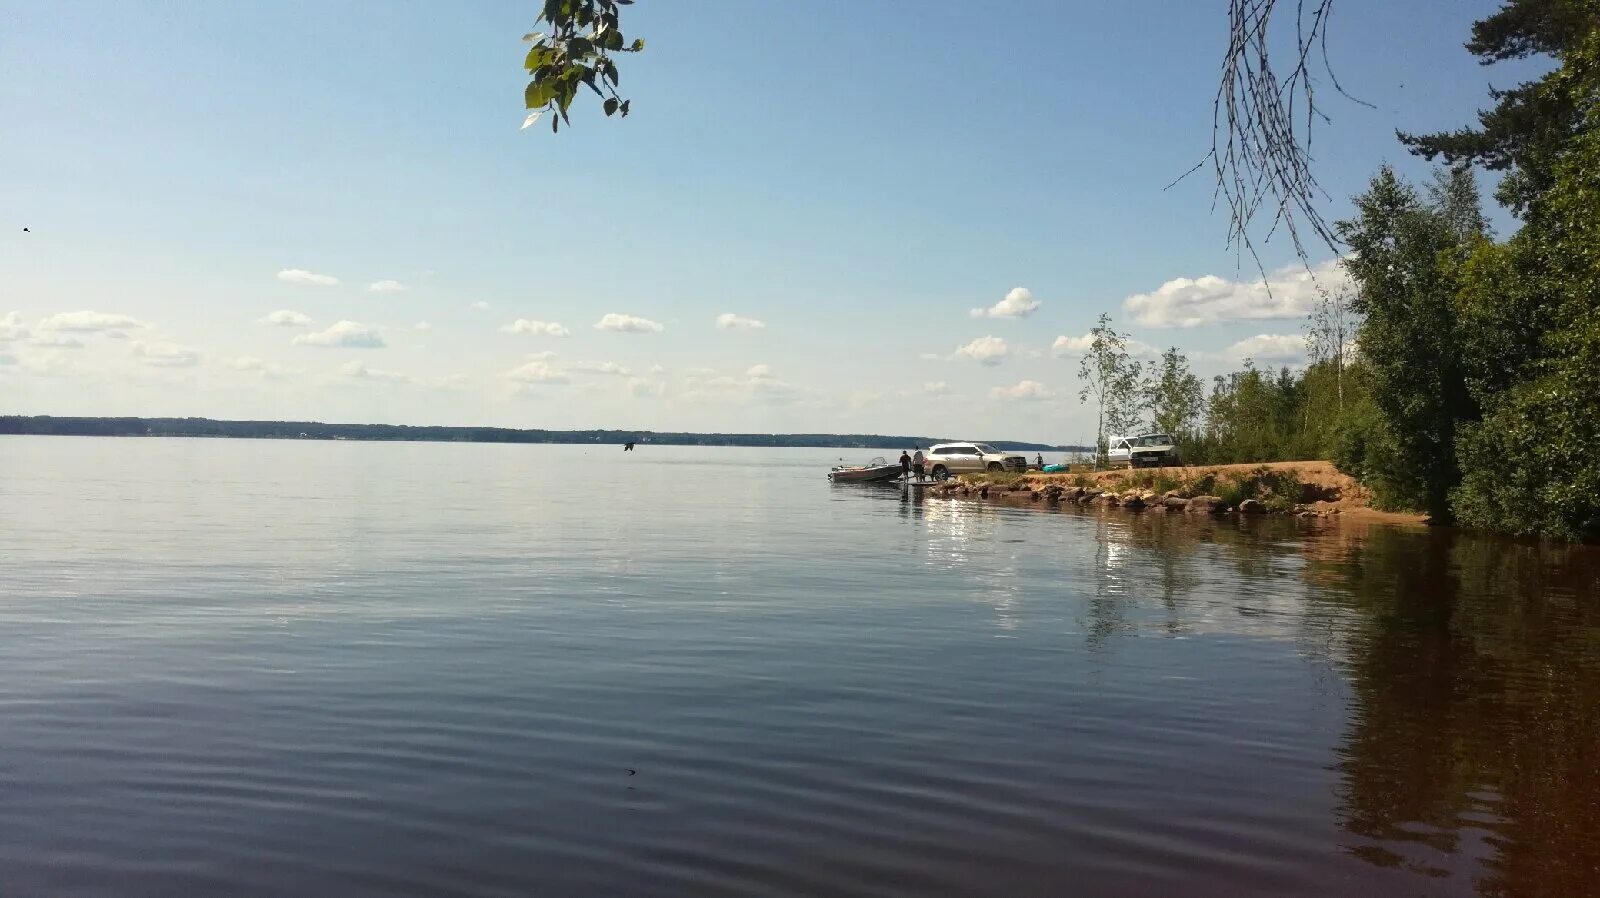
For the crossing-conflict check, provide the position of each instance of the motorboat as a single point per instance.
(878, 469)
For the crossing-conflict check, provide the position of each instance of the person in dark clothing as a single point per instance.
(905, 465)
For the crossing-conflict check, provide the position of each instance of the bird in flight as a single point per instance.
(26, 231)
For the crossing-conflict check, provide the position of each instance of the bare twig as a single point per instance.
(1262, 126)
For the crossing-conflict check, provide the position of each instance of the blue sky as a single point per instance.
(857, 177)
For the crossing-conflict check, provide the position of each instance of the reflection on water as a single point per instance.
(1472, 752)
(1474, 742)
(358, 669)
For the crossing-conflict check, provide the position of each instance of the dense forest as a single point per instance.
(314, 430)
(1460, 374)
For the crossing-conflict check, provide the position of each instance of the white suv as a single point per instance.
(971, 458)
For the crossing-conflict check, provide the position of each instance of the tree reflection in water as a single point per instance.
(1475, 719)
(1473, 666)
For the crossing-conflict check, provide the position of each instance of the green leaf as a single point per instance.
(538, 56)
(611, 106)
(538, 94)
(638, 44)
(532, 117)
(624, 108)
(611, 40)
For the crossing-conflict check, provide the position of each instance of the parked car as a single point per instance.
(1146, 450)
(971, 458)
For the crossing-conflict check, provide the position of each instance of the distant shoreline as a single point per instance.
(47, 425)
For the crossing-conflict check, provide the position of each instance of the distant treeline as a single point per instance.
(314, 430)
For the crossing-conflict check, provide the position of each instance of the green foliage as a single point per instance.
(1483, 359)
(1160, 480)
(1531, 124)
(1277, 490)
(1111, 378)
(576, 53)
(1173, 395)
(1532, 466)
(1405, 260)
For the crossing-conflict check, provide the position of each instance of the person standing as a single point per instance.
(905, 465)
(1041, 461)
(919, 465)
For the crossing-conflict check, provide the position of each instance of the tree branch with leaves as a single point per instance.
(575, 54)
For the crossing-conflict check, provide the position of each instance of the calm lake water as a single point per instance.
(284, 668)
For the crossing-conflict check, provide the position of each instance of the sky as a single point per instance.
(820, 217)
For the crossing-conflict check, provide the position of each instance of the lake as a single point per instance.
(338, 668)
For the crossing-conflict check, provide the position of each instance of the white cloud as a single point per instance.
(90, 323)
(936, 388)
(1269, 347)
(254, 365)
(385, 287)
(1065, 345)
(540, 328)
(7, 359)
(1191, 302)
(1019, 303)
(646, 388)
(166, 355)
(360, 371)
(11, 327)
(984, 351)
(758, 385)
(301, 276)
(730, 321)
(537, 371)
(612, 321)
(1027, 390)
(480, 305)
(656, 369)
(55, 341)
(609, 368)
(770, 390)
(422, 326)
(286, 318)
(860, 399)
(346, 334)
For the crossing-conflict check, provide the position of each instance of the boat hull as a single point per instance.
(864, 474)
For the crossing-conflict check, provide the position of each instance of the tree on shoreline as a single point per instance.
(1330, 335)
(1174, 397)
(1111, 378)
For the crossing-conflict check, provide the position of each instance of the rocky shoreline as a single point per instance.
(1307, 489)
(1022, 492)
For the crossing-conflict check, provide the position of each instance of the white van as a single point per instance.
(1145, 450)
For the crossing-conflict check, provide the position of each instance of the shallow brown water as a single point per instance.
(272, 668)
